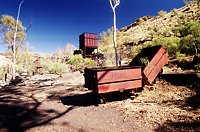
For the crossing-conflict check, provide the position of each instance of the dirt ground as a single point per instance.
(48, 103)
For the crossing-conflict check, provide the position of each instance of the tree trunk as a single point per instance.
(115, 30)
(14, 42)
(114, 38)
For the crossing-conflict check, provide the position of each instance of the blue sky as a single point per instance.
(56, 23)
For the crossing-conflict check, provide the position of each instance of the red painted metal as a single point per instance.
(116, 75)
(104, 80)
(157, 58)
(88, 42)
(125, 85)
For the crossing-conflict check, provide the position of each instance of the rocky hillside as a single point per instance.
(4, 61)
(146, 27)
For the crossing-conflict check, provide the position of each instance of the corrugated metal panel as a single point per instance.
(88, 40)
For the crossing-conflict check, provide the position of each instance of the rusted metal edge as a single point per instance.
(157, 63)
(113, 68)
(119, 81)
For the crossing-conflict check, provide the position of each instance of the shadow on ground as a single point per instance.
(89, 99)
(18, 115)
(192, 103)
(190, 81)
(181, 126)
(86, 99)
(181, 79)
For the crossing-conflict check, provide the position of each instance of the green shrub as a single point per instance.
(180, 57)
(191, 36)
(76, 62)
(137, 49)
(90, 63)
(25, 63)
(198, 69)
(186, 46)
(171, 44)
(2, 72)
(196, 62)
(68, 55)
(162, 13)
(49, 66)
(45, 64)
(108, 62)
(58, 68)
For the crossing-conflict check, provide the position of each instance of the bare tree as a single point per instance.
(14, 45)
(114, 4)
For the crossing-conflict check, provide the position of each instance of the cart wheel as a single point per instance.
(102, 99)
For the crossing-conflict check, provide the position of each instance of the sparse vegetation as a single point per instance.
(106, 48)
(162, 13)
(25, 63)
(52, 67)
(2, 72)
(76, 62)
(196, 62)
(13, 33)
(58, 68)
(89, 63)
(178, 31)
(197, 66)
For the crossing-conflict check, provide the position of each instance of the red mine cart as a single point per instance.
(105, 80)
(142, 70)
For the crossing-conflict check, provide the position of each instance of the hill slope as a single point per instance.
(146, 27)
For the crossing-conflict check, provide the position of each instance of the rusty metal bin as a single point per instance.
(110, 79)
(88, 42)
(156, 57)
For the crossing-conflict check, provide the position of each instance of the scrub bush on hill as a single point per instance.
(49, 66)
(25, 63)
(78, 63)
(162, 13)
(58, 68)
(2, 72)
(135, 50)
(184, 42)
(196, 62)
(89, 63)
(197, 66)
(171, 44)
(190, 33)
(180, 57)
(106, 47)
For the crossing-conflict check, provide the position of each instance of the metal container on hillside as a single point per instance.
(88, 42)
